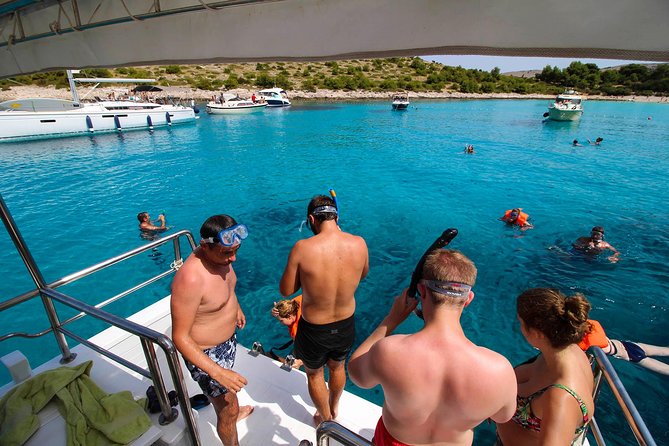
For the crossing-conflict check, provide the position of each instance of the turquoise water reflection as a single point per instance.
(401, 179)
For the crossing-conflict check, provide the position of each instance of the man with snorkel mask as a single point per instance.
(437, 384)
(205, 317)
(595, 244)
(328, 268)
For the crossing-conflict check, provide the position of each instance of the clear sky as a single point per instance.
(507, 64)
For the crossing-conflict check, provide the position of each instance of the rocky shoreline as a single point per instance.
(186, 93)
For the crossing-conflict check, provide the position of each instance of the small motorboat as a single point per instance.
(229, 103)
(275, 97)
(568, 106)
(401, 101)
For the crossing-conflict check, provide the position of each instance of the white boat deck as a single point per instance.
(283, 409)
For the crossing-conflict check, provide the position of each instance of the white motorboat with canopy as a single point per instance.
(45, 35)
(275, 97)
(36, 118)
(229, 103)
(568, 106)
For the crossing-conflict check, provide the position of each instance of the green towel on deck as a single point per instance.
(92, 416)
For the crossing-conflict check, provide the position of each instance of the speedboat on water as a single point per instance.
(401, 101)
(275, 97)
(38, 118)
(568, 106)
(232, 104)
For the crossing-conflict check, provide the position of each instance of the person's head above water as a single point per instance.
(562, 320)
(515, 212)
(450, 275)
(321, 208)
(143, 216)
(597, 233)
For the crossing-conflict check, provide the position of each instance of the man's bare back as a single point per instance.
(437, 384)
(328, 267)
(456, 387)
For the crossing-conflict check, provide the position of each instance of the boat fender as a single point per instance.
(149, 122)
(89, 124)
(168, 118)
(117, 123)
(196, 109)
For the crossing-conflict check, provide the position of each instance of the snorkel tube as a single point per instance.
(443, 240)
(333, 194)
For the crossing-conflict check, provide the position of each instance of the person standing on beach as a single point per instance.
(205, 316)
(328, 267)
(451, 385)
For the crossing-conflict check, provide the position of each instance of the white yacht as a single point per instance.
(39, 118)
(568, 106)
(232, 104)
(275, 97)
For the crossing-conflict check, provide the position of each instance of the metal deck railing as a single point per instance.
(148, 337)
(602, 368)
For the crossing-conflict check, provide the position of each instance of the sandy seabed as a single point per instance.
(23, 92)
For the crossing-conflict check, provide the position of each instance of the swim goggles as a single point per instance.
(452, 289)
(230, 236)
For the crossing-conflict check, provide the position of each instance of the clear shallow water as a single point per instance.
(401, 179)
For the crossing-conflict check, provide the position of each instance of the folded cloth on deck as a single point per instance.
(92, 416)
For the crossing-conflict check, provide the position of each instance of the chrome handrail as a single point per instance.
(147, 336)
(604, 369)
(334, 430)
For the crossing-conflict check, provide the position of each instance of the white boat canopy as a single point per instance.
(42, 35)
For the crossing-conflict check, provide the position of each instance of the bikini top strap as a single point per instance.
(584, 408)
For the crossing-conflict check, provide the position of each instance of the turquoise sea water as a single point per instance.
(401, 179)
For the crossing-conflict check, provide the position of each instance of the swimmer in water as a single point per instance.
(595, 244)
(626, 350)
(517, 217)
(145, 223)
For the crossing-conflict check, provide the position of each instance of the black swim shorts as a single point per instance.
(315, 344)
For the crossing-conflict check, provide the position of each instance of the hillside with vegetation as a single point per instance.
(383, 75)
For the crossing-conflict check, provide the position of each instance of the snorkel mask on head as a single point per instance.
(326, 209)
(443, 240)
(231, 236)
(597, 230)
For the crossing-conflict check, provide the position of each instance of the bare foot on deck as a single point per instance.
(244, 411)
(318, 419)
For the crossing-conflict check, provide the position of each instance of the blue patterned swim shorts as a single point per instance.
(224, 355)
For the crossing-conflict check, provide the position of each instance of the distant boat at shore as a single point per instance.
(38, 118)
(568, 106)
(401, 101)
(233, 104)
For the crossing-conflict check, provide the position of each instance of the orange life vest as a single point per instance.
(293, 327)
(597, 337)
(520, 221)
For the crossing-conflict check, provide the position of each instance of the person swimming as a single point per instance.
(595, 244)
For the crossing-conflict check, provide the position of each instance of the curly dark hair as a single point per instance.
(563, 320)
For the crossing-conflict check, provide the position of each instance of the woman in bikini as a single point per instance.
(554, 403)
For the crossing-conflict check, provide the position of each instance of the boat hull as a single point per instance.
(556, 114)
(217, 109)
(277, 103)
(17, 125)
(400, 105)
